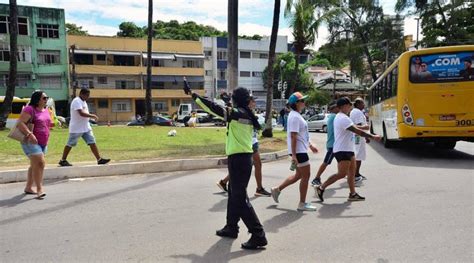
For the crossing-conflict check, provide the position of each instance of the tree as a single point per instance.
(6, 108)
(443, 22)
(130, 29)
(267, 132)
(73, 29)
(304, 24)
(318, 97)
(149, 110)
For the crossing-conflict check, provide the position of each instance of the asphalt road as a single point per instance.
(419, 208)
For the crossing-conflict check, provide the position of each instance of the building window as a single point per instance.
(121, 106)
(222, 74)
(208, 72)
(47, 30)
(86, 82)
(157, 85)
(103, 103)
(257, 74)
(83, 59)
(24, 53)
(124, 84)
(91, 106)
(160, 105)
(222, 55)
(100, 57)
(48, 57)
(50, 82)
(124, 60)
(244, 54)
(102, 80)
(175, 102)
(22, 25)
(22, 80)
(260, 55)
(208, 53)
(245, 73)
(192, 64)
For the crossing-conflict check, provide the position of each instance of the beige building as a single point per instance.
(114, 69)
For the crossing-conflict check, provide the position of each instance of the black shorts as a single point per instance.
(302, 158)
(329, 156)
(343, 156)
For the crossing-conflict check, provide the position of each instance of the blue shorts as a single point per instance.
(329, 156)
(88, 137)
(255, 147)
(33, 149)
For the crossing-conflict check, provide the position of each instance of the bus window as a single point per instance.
(442, 67)
(17, 107)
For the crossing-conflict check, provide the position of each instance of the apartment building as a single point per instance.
(253, 59)
(114, 69)
(42, 53)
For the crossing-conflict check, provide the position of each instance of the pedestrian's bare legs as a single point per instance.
(37, 168)
(226, 179)
(342, 170)
(305, 174)
(29, 181)
(257, 162)
(95, 151)
(358, 164)
(66, 151)
(321, 170)
(351, 175)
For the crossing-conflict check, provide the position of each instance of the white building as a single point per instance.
(253, 59)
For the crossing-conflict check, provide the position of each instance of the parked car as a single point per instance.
(261, 120)
(157, 120)
(318, 122)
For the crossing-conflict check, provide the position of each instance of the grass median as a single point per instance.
(135, 143)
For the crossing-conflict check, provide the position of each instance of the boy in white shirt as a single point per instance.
(358, 118)
(344, 149)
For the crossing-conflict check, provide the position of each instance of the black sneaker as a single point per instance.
(355, 197)
(103, 161)
(227, 231)
(262, 192)
(320, 193)
(361, 176)
(222, 185)
(316, 182)
(64, 163)
(256, 241)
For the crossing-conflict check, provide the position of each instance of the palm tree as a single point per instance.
(267, 132)
(305, 24)
(10, 91)
(149, 111)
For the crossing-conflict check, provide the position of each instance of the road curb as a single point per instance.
(54, 173)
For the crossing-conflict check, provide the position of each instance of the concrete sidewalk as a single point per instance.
(132, 167)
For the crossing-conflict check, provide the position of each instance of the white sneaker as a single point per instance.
(306, 207)
(275, 194)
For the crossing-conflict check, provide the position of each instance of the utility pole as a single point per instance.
(417, 29)
(73, 71)
(232, 44)
(149, 110)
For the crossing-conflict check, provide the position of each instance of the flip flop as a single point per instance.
(29, 193)
(41, 196)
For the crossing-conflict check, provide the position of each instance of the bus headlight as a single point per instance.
(407, 116)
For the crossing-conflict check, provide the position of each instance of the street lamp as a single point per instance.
(282, 93)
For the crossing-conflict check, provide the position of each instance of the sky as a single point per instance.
(102, 17)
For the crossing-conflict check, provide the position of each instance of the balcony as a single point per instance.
(140, 93)
(131, 70)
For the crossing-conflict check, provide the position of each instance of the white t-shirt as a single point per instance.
(296, 123)
(358, 117)
(343, 138)
(79, 124)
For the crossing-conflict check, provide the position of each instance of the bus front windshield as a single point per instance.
(442, 67)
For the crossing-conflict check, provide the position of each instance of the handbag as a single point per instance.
(18, 135)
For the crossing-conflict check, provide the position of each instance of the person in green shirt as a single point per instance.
(241, 122)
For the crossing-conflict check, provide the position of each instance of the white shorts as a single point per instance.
(360, 150)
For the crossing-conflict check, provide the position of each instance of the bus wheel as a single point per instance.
(445, 145)
(386, 142)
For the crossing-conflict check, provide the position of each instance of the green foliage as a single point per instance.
(443, 22)
(318, 97)
(73, 29)
(174, 30)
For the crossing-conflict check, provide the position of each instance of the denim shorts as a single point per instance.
(33, 149)
(88, 137)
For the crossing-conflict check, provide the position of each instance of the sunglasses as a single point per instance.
(45, 98)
